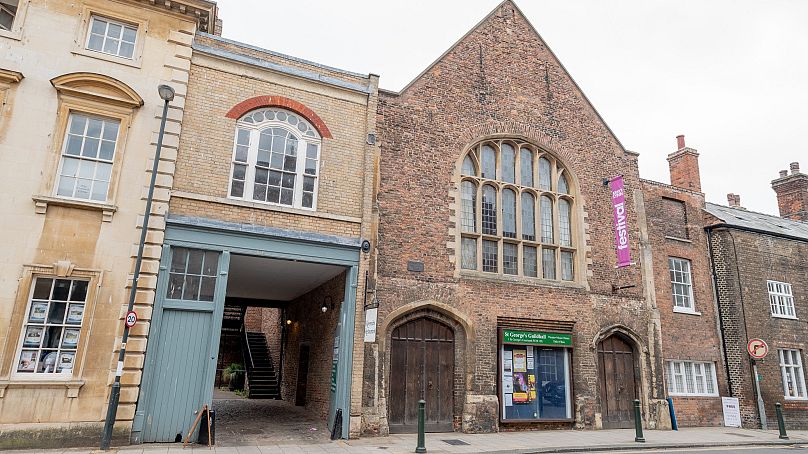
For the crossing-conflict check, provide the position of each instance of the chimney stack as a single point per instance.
(734, 200)
(684, 166)
(792, 193)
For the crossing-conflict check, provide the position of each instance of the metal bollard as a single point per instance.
(781, 423)
(421, 416)
(638, 422)
(674, 424)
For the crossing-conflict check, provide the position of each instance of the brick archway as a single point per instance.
(280, 101)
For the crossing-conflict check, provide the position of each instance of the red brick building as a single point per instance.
(498, 295)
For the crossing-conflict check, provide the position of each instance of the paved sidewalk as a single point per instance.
(556, 441)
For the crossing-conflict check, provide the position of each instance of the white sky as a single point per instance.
(732, 75)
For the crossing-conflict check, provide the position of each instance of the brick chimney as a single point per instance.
(734, 200)
(792, 193)
(684, 166)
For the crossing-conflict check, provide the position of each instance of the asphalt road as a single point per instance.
(799, 449)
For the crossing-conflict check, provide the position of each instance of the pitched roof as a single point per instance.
(759, 222)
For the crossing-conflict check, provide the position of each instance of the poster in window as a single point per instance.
(65, 364)
(521, 388)
(71, 338)
(530, 364)
(520, 361)
(531, 386)
(27, 361)
(38, 312)
(33, 336)
(75, 313)
(48, 363)
(508, 400)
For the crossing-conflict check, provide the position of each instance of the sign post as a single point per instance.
(758, 349)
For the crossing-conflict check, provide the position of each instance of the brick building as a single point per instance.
(497, 288)
(760, 266)
(79, 116)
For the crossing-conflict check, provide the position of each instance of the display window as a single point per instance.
(535, 379)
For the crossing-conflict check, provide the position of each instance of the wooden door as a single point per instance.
(302, 376)
(617, 383)
(421, 367)
(181, 362)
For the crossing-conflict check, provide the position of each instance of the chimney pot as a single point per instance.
(734, 200)
(795, 168)
(680, 141)
(783, 173)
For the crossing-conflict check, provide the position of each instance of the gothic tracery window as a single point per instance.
(517, 212)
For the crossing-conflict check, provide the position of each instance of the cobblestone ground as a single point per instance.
(252, 422)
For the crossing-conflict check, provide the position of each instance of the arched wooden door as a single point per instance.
(421, 367)
(618, 386)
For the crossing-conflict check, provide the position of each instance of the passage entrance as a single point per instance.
(617, 382)
(421, 367)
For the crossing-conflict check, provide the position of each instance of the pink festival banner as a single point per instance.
(620, 224)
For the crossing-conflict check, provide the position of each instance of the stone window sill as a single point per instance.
(43, 201)
(72, 387)
(785, 317)
(685, 311)
(676, 238)
(135, 63)
(516, 279)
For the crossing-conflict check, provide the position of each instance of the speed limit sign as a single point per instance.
(131, 319)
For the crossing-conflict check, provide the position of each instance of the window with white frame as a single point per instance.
(691, 378)
(276, 159)
(681, 284)
(112, 37)
(52, 325)
(793, 377)
(88, 153)
(781, 299)
(8, 11)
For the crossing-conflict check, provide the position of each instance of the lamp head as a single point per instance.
(166, 92)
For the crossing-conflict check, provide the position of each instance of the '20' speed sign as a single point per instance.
(131, 319)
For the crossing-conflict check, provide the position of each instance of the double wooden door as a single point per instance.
(421, 367)
(617, 383)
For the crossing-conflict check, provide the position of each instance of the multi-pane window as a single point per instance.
(793, 377)
(112, 37)
(88, 152)
(276, 158)
(781, 299)
(8, 11)
(50, 333)
(524, 229)
(192, 275)
(689, 378)
(681, 284)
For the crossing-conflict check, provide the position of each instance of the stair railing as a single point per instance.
(247, 344)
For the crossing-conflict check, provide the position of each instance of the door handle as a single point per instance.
(429, 384)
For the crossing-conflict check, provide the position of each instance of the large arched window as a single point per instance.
(522, 198)
(275, 159)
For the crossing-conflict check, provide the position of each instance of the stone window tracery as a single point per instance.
(517, 212)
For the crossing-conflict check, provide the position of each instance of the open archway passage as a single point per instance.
(617, 382)
(421, 367)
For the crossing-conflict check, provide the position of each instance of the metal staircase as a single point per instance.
(262, 378)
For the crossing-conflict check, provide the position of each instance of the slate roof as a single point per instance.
(765, 223)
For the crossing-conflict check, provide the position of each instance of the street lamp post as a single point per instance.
(167, 95)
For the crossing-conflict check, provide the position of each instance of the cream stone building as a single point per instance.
(78, 126)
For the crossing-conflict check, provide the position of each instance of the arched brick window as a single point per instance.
(516, 212)
(276, 156)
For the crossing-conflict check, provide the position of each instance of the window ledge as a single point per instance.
(786, 317)
(14, 34)
(43, 201)
(679, 310)
(796, 399)
(265, 207)
(107, 57)
(72, 386)
(534, 281)
(676, 238)
(696, 396)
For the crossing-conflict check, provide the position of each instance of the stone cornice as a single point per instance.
(10, 77)
(203, 12)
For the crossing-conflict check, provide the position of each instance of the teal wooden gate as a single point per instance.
(182, 362)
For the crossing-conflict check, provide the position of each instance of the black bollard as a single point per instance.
(638, 422)
(421, 415)
(781, 423)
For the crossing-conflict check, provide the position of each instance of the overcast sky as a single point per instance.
(732, 75)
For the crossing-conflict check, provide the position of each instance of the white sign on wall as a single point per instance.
(370, 325)
(732, 411)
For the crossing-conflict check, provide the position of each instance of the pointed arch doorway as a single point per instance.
(618, 382)
(422, 365)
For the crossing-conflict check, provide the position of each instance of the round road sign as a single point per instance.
(757, 348)
(131, 319)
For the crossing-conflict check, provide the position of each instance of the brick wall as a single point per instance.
(744, 261)
(792, 193)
